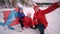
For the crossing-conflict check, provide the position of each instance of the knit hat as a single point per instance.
(20, 8)
(36, 7)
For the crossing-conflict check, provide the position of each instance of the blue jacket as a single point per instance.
(21, 15)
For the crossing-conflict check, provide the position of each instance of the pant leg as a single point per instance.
(41, 28)
(21, 22)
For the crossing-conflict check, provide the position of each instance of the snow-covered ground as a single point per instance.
(45, 1)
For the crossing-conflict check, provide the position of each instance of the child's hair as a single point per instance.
(28, 13)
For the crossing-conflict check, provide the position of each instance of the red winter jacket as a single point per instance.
(40, 15)
(27, 22)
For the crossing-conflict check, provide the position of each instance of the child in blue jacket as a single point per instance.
(21, 15)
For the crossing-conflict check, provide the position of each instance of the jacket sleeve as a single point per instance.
(31, 22)
(50, 9)
(34, 20)
(34, 17)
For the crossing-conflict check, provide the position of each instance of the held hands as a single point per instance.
(36, 20)
(33, 26)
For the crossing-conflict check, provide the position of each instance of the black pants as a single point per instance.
(40, 27)
(21, 22)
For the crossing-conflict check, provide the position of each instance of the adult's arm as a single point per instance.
(50, 9)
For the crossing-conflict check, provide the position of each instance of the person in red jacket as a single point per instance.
(27, 21)
(40, 19)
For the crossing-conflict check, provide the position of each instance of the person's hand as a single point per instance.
(36, 20)
(58, 3)
(33, 26)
